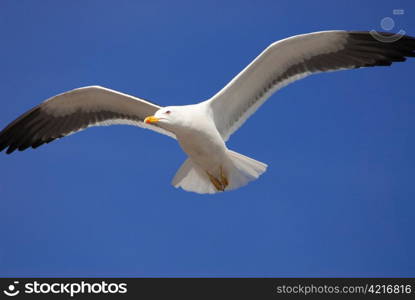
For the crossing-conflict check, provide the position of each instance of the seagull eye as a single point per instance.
(168, 112)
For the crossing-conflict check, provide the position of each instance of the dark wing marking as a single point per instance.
(73, 111)
(296, 57)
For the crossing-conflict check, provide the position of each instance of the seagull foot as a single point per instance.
(223, 178)
(218, 185)
(221, 184)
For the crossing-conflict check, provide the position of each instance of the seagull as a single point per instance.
(202, 129)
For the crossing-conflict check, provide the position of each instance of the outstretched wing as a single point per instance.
(294, 58)
(73, 111)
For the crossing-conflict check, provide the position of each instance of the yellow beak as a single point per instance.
(151, 120)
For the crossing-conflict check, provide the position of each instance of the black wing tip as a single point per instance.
(9, 148)
(370, 35)
(385, 48)
(387, 39)
(18, 134)
(37, 127)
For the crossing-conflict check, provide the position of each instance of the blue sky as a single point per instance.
(338, 196)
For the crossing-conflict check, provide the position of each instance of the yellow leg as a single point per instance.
(218, 185)
(224, 179)
(221, 184)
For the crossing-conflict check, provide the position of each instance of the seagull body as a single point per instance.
(202, 129)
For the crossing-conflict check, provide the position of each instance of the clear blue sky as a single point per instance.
(338, 198)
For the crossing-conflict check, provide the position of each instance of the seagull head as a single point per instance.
(168, 116)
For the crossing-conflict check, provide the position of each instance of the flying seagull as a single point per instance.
(203, 128)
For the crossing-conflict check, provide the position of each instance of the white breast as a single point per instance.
(201, 140)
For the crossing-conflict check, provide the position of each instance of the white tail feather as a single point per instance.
(243, 170)
(191, 177)
(239, 168)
